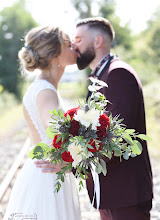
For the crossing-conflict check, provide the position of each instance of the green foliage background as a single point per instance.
(15, 22)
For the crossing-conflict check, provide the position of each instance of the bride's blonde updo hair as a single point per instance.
(41, 45)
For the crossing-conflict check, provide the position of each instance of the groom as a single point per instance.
(126, 190)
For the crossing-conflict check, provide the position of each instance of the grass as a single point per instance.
(152, 106)
(73, 90)
(9, 118)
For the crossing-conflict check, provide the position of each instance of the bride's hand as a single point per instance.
(48, 167)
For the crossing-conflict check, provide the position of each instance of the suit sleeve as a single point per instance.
(122, 92)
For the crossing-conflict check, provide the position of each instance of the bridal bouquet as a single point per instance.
(84, 136)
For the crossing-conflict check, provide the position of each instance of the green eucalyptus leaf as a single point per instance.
(117, 153)
(58, 139)
(86, 151)
(82, 143)
(39, 157)
(97, 146)
(103, 167)
(128, 139)
(144, 137)
(51, 132)
(137, 147)
(133, 155)
(40, 151)
(41, 147)
(81, 183)
(82, 176)
(90, 146)
(55, 112)
(68, 117)
(31, 154)
(126, 155)
(98, 168)
(108, 154)
(62, 179)
(60, 113)
(129, 131)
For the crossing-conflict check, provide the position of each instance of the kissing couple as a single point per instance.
(126, 190)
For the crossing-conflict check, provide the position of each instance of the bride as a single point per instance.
(50, 50)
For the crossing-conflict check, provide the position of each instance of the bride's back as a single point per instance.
(48, 49)
(32, 115)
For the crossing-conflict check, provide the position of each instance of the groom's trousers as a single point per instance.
(138, 212)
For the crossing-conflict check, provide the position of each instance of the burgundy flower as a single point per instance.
(92, 143)
(104, 120)
(74, 128)
(66, 156)
(101, 132)
(71, 112)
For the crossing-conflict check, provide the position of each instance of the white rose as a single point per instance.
(74, 151)
(89, 117)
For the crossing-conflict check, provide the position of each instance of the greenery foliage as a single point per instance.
(15, 22)
(116, 142)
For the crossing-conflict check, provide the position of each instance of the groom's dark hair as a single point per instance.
(98, 23)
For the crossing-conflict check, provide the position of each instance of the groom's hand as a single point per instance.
(47, 167)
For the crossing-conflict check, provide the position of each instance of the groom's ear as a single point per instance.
(98, 41)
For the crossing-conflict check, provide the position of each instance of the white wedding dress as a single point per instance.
(33, 196)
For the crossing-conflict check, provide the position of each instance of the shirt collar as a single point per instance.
(97, 70)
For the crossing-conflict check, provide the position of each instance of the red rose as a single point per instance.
(67, 157)
(104, 120)
(101, 132)
(74, 128)
(92, 143)
(57, 145)
(71, 112)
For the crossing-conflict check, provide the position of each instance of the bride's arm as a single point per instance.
(47, 101)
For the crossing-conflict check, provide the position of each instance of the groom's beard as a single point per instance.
(86, 57)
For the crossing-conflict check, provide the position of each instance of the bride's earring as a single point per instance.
(58, 65)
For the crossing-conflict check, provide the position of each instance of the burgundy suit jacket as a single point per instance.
(128, 182)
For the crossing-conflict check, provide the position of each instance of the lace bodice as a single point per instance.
(30, 103)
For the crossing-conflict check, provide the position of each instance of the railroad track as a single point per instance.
(6, 185)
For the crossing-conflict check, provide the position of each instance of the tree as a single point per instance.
(148, 44)
(83, 7)
(15, 22)
(154, 36)
(122, 33)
